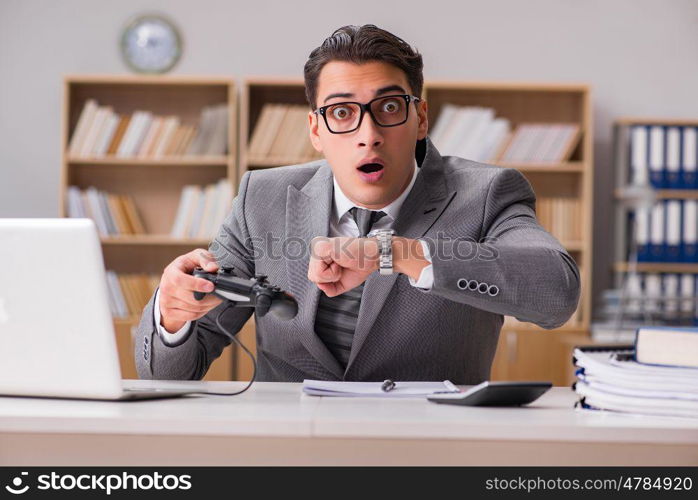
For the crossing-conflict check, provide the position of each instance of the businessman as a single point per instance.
(403, 262)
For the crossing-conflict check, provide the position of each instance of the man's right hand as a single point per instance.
(177, 287)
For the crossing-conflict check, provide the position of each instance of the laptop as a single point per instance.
(57, 338)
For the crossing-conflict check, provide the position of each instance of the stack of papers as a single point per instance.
(612, 380)
(374, 389)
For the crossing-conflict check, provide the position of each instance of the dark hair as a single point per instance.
(360, 44)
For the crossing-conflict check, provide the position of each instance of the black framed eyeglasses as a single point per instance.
(386, 111)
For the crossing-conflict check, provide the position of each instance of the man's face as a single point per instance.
(372, 164)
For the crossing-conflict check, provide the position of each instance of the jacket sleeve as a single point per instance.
(516, 268)
(191, 358)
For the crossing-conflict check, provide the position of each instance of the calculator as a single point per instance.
(495, 394)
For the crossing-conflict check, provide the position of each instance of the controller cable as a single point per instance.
(241, 345)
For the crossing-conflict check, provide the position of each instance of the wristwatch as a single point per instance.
(385, 246)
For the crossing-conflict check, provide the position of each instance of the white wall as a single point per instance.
(639, 55)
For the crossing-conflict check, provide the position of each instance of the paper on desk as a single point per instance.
(373, 389)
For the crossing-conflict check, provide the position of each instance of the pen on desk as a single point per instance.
(388, 385)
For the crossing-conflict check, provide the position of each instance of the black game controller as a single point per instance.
(254, 292)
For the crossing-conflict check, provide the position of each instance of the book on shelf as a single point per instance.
(101, 132)
(561, 217)
(113, 215)
(169, 128)
(81, 128)
(281, 135)
(541, 143)
(659, 298)
(470, 132)
(129, 293)
(609, 378)
(98, 128)
(118, 135)
(666, 232)
(202, 210)
(151, 137)
(133, 137)
(475, 133)
(667, 346)
(665, 157)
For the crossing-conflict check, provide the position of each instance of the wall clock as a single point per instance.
(151, 44)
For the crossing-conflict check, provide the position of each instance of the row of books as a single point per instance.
(129, 293)
(665, 157)
(542, 143)
(670, 298)
(658, 375)
(475, 133)
(102, 132)
(201, 210)
(561, 217)
(281, 135)
(668, 232)
(112, 214)
(470, 132)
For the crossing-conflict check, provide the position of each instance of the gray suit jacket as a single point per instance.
(480, 223)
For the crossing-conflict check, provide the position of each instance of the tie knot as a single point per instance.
(365, 219)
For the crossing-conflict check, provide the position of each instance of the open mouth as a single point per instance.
(370, 168)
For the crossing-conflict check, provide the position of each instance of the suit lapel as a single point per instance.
(307, 216)
(426, 202)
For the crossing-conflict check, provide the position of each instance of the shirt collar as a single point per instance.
(342, 204)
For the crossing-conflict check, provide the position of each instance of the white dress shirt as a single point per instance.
(341, 224)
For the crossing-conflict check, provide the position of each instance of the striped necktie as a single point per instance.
(336, 317)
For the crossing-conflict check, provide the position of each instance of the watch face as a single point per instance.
(151, 44)
(376, 232)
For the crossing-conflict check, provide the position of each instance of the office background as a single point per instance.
(638, 56)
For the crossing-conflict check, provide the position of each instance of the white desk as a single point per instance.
(275, 423)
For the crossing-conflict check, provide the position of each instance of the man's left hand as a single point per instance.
(339, 264)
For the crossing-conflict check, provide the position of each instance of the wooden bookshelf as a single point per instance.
(186, 161)
(155, 184)
(669, 122)
(256, 92)
(667, 194)
(659, 267)
(152, 239)
(526, 351)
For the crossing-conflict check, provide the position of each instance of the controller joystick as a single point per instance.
(253, 292)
